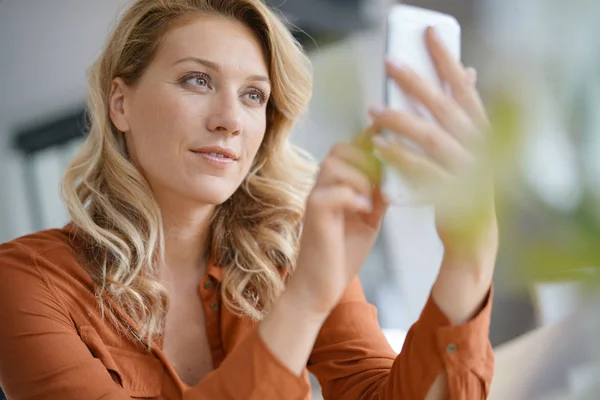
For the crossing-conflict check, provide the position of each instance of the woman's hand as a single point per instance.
(450, 173)
(343, 216)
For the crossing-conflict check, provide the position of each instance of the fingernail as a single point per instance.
(364, 202)
(434, 33)
(422, 111)
(376, 111)
(386, 198)
(380, 141)
(471, 76)
(446, 88)
(395, 64)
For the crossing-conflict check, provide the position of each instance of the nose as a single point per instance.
(225, 116)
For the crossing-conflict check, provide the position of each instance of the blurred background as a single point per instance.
(539, 72)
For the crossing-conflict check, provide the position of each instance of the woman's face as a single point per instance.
(195, 120)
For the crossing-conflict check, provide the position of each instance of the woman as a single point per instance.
(203, 260)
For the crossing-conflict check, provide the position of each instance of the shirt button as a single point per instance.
(207, 285)
(451, 348)
(214, 306)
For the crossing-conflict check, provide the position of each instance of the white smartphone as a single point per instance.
(405, 44)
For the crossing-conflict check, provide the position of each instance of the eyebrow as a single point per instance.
(216, 67)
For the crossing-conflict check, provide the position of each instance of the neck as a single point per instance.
(187, 238)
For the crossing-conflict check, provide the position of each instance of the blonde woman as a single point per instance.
(208, 259)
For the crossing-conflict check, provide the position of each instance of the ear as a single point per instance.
(118, 106)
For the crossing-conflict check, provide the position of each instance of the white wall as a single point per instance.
(45, 50)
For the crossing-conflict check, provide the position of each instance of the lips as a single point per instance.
(218, 152)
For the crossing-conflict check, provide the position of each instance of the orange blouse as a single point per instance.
(54, 344)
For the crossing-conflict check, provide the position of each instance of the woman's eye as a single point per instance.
(197, 80)
(256, 96)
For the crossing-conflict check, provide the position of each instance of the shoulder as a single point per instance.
(41, 241)
(49, 257)
(22, 253)
(52, 245)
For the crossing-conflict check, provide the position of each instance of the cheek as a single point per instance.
(159, 125)
(253, 142)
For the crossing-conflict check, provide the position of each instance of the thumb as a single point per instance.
(380, 206)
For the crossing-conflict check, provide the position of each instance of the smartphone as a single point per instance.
(405, 44)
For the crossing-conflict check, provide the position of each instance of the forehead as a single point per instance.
(228, 43)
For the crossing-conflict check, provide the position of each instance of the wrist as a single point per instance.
(477, 249)
(302, 294)
(461, 286)
(291, 327)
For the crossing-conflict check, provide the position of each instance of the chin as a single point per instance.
(211, 191)
(213, 199)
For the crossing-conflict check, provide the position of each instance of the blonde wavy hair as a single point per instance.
(254, 234)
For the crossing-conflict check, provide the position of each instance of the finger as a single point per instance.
(380, 205)
(363, 140)
(360, 157)
(447, 112)
(335, 171)
(471, 76)
(339, 197)
(451, 71)
(415, 167)
(428, 136)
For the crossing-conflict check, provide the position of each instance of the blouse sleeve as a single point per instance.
(353, 361)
